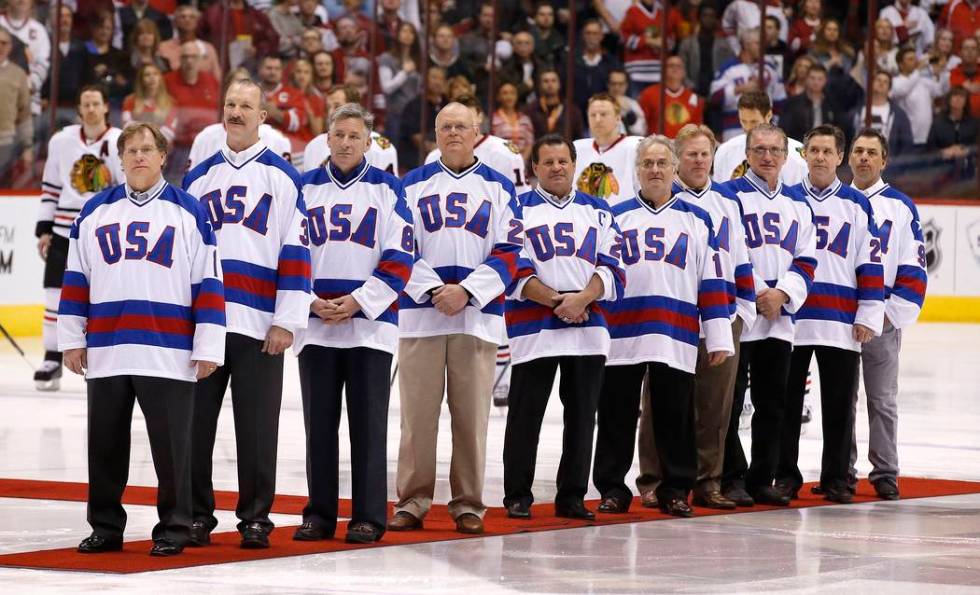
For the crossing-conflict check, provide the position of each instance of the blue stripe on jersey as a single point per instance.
(294, 269)
(140, 308)
(529, 318)
(334, 288)
(452, 274)
(74, 295)
(250, 285)
(659, 315)
(204, 314)
(201, 169)
(829, 301)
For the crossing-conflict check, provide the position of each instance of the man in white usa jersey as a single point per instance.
(362, 246)
(741, 75)
(468, 235)
(553, 321)
(503, 156)
(255, 203)
(82, 161)
(780, 235)
(210, 140)
(676, 284)
(905, 279)
(142, 314)
(843, 311)
(604, 166)
(381, 152)
(714, 385)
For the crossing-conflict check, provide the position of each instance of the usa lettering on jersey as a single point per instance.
(565, 244)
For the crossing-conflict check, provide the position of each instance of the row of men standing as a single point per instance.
(454, 261)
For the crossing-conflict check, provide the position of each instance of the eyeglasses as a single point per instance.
(457, 128)
(774, 151)
(659, 164)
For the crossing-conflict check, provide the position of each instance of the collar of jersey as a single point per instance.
(240, 159)
(153, 192)
(554, 200)
(827, 192)
(762, 185)
(873, 189)
(646, 205)
(463, 173)
(339, 179)
(682, 187)
(600, 151)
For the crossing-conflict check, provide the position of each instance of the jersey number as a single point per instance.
(559, 240)
(232, 209)
(110, 244)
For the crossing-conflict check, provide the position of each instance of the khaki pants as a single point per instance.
(713, 393)
(462, 367)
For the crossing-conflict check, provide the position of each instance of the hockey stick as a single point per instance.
(500, 376)
(16, 346)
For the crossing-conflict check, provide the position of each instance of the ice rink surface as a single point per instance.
(916, 546)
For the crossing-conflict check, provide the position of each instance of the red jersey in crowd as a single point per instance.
(683, 107)
(196, 104)
(642, 20)
(962, 17)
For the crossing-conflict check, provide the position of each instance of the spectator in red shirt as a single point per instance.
(962, 17)
(285, 103)
(186, 21)
(316, 107)
(967, 75)
(803, 31)
(683, 105)
(196, 94)
(250, 35)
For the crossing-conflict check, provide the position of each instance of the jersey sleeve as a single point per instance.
(713, 295)
(50, 191)
(525, 272)
(733, 239)
(868, 270)
(495, 274)
(74, 306)
(798, 279)
(294, 269)
(905, 302)
(394, 268)
(208, 295)
(607, 263)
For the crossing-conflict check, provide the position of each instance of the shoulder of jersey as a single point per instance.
(796, 192)
(739, 184)
(583, 142)
(383, 142)
(685, 207)
(270, 158)
(726, 65)
(625, 206)
(896, 194)
(66, 132)
(491, 175)
(107, 196)
(210, 129)
(421, 173)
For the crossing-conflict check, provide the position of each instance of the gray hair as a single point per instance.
(352, 111)
(765, 127)
(746, 35)
(656, 139)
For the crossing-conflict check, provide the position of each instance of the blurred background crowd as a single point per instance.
(167, 61)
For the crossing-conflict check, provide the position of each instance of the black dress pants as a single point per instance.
(167, 406)
(325, 375)
(530, 389)
(838, 387)
(256, 392)
(671, 401)
(768, 361)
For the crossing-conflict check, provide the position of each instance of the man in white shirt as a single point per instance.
(914, 89)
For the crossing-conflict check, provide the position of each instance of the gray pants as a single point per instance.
(879, 364)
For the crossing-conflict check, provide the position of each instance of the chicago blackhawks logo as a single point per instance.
(598, 180)
(90, 174)
(739, 171)
(677, 114)
(513, 148)
(382, 141)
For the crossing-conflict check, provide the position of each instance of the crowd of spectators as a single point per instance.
(164, 61)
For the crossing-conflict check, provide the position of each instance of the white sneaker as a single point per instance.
(48, 376)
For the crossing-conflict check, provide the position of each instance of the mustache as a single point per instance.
(234, 120)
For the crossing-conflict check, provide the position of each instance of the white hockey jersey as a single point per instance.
(734, 73)
(142, 291)
(730, 162)
(848, 284)
(212, 139)
(35, 36)
(725, 211)
(782, 246)
(381, 153)
(255, 205)
(362, 243)
(608, 173)
(741, 15)
(565, 244)
(76, 170)
(903, 252)
(468, 231)
(501, 155)
(675, 285)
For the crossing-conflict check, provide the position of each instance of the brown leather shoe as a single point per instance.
(614, 505)
(404, 521)
(469, 523)
(649, 499)
(713, 499)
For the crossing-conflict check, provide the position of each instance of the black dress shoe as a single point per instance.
(362, 532)
(310, 531)
(255, 537)
(518, 510)
(97, 544)
(614, 505)
(574, 511)
(739, 496)
(788, 488)
(165, 547)
(713, 499)
(200, 534)
(886, 489)
(676, 507)
(771, 495)
(838, 493)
